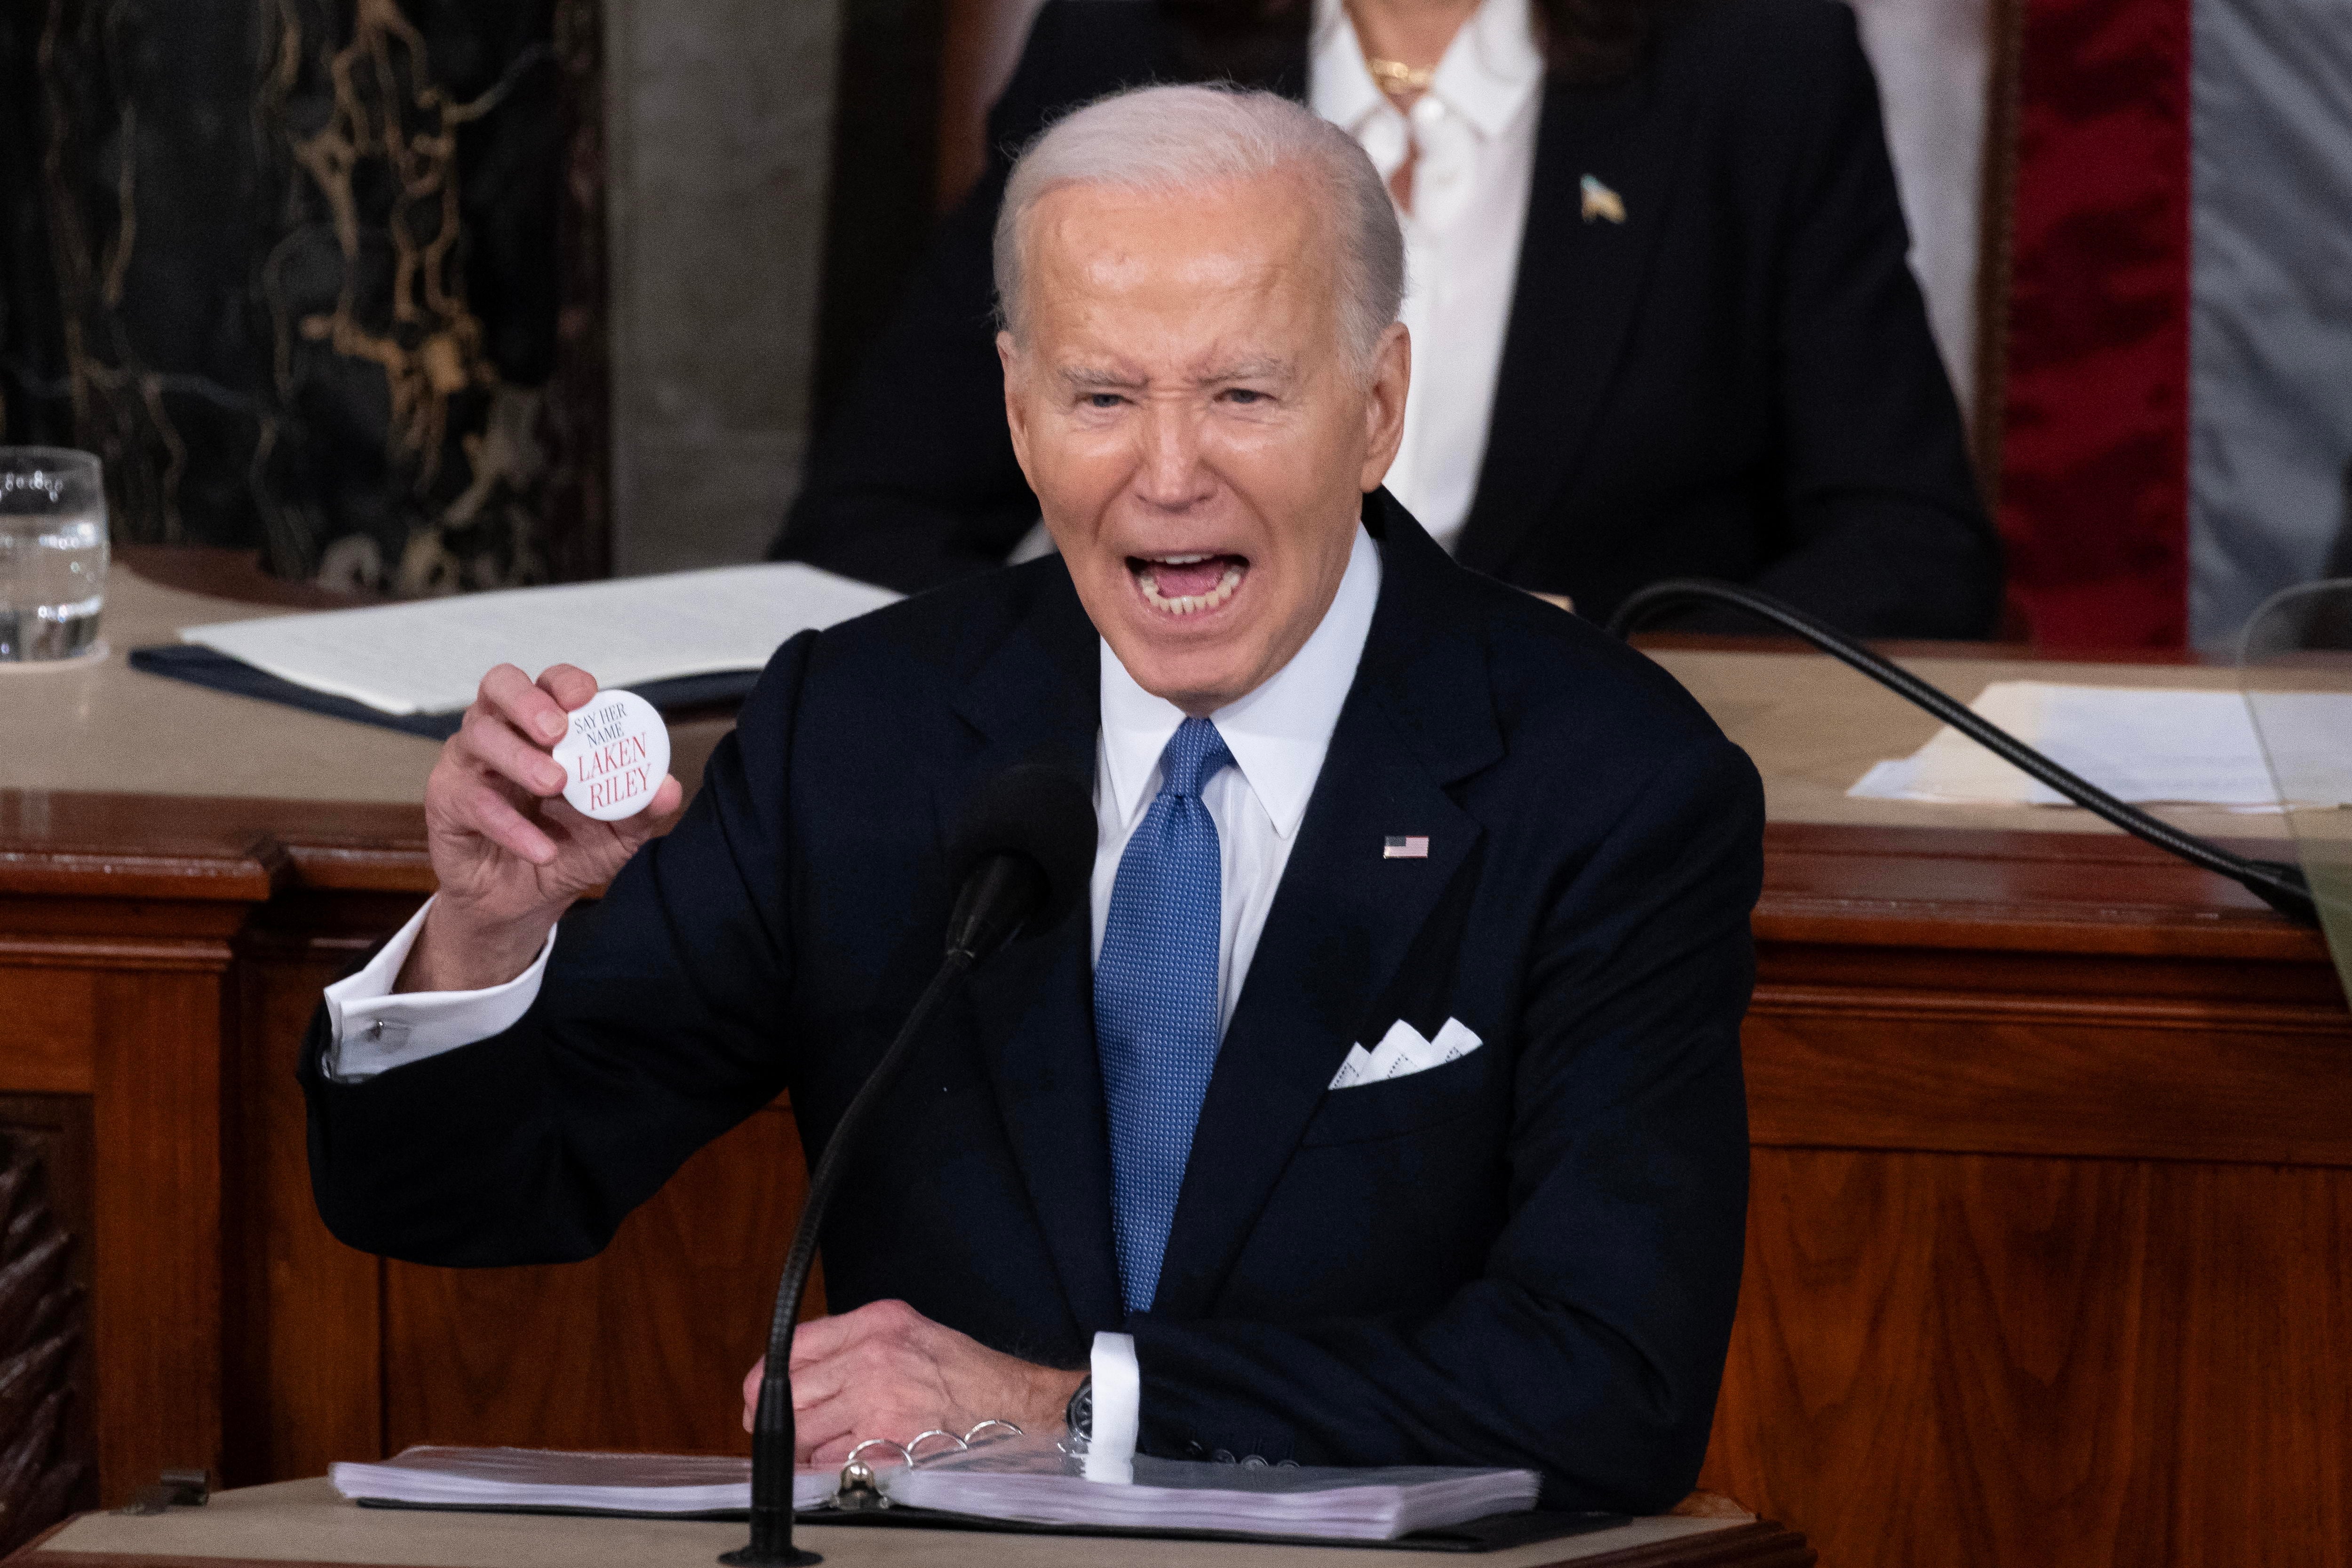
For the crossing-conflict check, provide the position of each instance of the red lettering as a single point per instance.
(613, 756)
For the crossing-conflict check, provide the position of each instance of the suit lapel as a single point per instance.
(1036, 697)
(1418, 716)
(1579, 284)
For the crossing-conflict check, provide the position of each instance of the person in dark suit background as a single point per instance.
(1663, 323)
(1347, 795)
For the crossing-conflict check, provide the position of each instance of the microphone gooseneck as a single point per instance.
(2281, 887)
(1021, 858)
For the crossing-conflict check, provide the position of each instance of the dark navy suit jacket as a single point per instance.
(1529, 1256)
(1736, 382)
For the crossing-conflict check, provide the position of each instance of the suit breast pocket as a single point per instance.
(1400, 1105)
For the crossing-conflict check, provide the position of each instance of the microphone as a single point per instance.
(1021, 859)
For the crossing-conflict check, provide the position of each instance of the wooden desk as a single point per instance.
(2052, 1193)
(304, 1521)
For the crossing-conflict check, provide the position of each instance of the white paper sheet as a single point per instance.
(2142, 746)
(549, 1478)
(429, 657)
(1029, 1479)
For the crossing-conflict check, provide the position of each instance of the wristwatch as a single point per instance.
(1079, 1413)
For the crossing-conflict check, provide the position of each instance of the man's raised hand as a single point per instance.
(510, 854)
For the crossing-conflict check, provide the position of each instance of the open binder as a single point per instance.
(1010, 1484)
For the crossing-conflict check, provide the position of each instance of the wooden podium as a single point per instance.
(2050, 1243)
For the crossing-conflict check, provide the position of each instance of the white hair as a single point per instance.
(1169, 139)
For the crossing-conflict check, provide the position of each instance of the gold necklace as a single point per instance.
(1397, 78)
(1394, 77)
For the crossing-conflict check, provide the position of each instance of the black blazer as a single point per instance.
(1737, 381)
(1529, 1256)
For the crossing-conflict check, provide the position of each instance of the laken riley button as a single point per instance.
(615, 755)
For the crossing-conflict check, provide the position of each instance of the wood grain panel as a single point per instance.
(1993, 890)
(2032, 1361)
(47, 1020)
(642, 1347)
(157, 1288)
(2045, 1075)
(305, 1379)
(48, 1437)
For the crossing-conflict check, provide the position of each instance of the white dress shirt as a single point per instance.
(1474, 135)
(1277, 733)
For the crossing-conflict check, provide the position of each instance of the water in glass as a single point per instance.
(52, 554)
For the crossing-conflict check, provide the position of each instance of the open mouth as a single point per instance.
(1188, 584)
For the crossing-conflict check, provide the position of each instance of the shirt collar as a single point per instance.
(1338, 87)
(1277, 733)
(1487, 76)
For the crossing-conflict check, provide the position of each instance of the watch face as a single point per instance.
(1080, 1416)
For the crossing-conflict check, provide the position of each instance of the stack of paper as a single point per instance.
(1029, 1479)
(2142, 746)
(528, 1478)
(430, 655)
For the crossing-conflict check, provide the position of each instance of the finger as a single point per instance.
(493, 816)
(836, 1334)
(657, 814)
(510, 693)
(831, 1428)
(819, 1381)
(820, 1338)
(751, 1389)
(491, 742)
(568, 684)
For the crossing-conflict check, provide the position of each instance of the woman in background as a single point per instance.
(1661, 320)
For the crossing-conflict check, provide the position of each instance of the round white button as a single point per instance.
(615, 755)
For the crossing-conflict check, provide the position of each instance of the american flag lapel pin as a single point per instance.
(1399, 847)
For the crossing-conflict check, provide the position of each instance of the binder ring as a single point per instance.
(917, 1441)
(904, 1457)
(973, 1436)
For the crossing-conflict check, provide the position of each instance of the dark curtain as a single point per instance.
(323, 279)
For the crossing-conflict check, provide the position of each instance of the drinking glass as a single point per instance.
(2294, 663)
(52, 554)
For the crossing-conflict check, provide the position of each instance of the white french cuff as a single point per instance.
(1117, 1408)
(373, 1028)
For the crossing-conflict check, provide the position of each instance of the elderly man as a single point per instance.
(1350, 798)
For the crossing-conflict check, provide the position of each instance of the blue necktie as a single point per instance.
(1156, 1002)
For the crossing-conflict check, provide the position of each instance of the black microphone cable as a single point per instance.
(2281, 887)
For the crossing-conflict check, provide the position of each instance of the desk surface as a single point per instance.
(143, 787)
(1812, 726)
(304, 1521)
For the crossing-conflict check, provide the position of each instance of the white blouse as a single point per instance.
(1474, 134)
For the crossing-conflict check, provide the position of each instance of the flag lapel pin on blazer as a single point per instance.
(1397, 848)
(1600, 201)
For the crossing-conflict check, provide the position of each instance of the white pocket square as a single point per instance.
(1402, 1051)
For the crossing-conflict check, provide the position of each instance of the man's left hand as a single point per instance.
(886, 1371)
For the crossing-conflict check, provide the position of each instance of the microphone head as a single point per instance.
(1037, 813)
